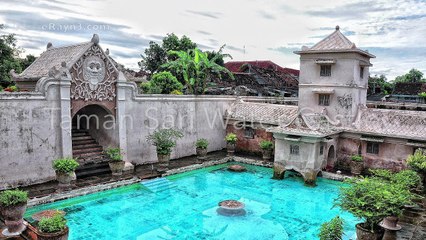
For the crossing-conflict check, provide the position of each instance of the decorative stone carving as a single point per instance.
(93, 77)
(93, 71)
(345, 101)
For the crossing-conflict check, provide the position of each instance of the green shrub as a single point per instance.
(162, 83)
(417, 161)
(114, 154)
(266, 145)
(382, 173)
(13, 197)
(202, 143)
(65, 165)
(332, 230)
(422, 94)
(164, 140)
(357, 158)
(149, 88)
(53, 224)
(373, 199)
(231, 138)
(1, 89)
(176, 92)
(407, 178)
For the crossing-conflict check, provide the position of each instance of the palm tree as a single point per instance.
(196, 68)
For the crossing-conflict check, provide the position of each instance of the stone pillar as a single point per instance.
(121, 114)
(65, 116)
(310, 177)
(279, 171)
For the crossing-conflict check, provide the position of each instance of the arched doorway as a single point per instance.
(94, 128)
(331, 156)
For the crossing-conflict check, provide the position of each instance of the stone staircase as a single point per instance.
(89, 154)
(158, 184)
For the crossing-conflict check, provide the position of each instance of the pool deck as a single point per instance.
(413, 221)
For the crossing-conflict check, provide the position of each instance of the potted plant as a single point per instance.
(357, 165)
(53, 228)
(65, 168)
(417, 162)
(231, 140)
(13, 205)
(164, 140)
(201, 148)
(372, 199)
(116, 163)
(332, 230)
(267, 149)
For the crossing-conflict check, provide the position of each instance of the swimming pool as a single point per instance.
(183, 206)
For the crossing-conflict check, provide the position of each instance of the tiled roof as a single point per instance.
(53, 57)
(310, 124)
(262, 112)
(335, 42)
(392, 123)
(237, 66)
(413, 88)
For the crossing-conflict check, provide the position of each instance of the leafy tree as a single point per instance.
(413, 76)
(196, 69)
(26, 62)
(380, 81)
(9, 53)
(164, 83)
(9, 58)
(332, 230)
(154, 57)
(157, 55)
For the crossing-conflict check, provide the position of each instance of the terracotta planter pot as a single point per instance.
(163, 162)
(116, 167)
(357, 167)
(63, 235)
(230, 148)
(390, 223)
(64, 179)
(13, 219)
(201, 153)
(267, 154)
(366, 234)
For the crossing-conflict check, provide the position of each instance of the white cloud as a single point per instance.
(253, 29)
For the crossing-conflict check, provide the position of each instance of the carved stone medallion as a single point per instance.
(93, 71)
(93, 77)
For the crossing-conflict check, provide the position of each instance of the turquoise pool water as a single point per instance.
(183, 206)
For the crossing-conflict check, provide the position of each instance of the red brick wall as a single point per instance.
(249, 145)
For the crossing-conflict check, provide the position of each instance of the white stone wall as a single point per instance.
(196, 116)
(30, 137)
(35, 128)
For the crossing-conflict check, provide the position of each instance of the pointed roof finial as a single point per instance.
(107, 51)
(49, 45)
(95, 39)
(337, 28)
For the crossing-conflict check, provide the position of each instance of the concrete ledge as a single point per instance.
(80, 192)
(334, 176)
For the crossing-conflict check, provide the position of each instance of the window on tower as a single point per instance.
(325, 71)
(324, 99)
(361, 72)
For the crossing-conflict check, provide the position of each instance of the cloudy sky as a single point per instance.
(395, 31)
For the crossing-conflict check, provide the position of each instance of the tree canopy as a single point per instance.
(9, 58)
(196, 69)
(381, 82)
(157, 54)
(412, 76)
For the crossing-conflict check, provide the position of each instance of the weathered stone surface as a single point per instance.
(237, 168)
(279, 171)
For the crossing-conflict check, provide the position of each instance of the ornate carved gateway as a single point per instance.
(93, 81)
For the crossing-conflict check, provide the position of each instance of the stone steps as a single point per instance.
(158, 184)
(89, 154)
